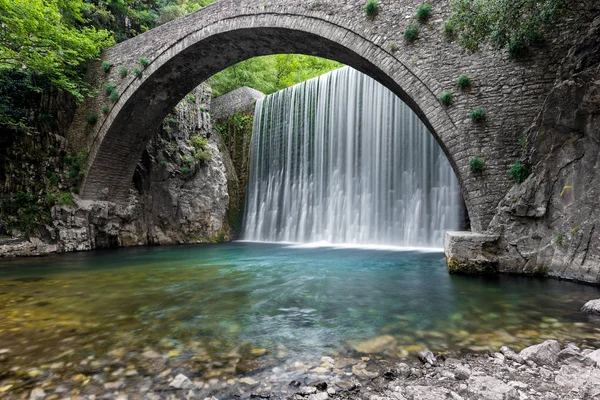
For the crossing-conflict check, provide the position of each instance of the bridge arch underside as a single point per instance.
(117, 145)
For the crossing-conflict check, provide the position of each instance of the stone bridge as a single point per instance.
(187, 51)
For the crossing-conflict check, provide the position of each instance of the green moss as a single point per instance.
(464, 82)
(446, 98)
(423, 12)
(411, 33)
(477, 164)
(106, 66)
(371, 8)
(519, 172)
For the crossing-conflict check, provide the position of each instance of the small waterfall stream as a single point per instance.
(340, 159)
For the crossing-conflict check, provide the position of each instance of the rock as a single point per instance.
(375, 345)
(425, 393)
(591, 307)
(37, 394)
(569, 355)
(576, 376)
(462, 373)
(468, 253)
(182, 382)
(511, 355)
(295, 384)
(490, 388)
(318, 396)
(322, 386)
(594, 358)
(402, 370)
(427, 357)
(545, 353)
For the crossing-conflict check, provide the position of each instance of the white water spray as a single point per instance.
(340, 159)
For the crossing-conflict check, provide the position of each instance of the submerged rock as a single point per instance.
(375, 345)
(591, 307)
(181, 382)
(545, 353)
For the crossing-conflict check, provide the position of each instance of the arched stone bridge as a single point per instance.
(187, 51)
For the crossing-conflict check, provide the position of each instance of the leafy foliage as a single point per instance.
(49, 38)
(114, 96)
(201, 151)
(371, 8)
(137, 72)
(423, 12)
(519, 172)
(106, 66)
(92, 119)
(476, 164)
(515, 24)
(463, 82)
(446, 98)
(123, 72)
(478, 115)
(411, 33)
(270, 73)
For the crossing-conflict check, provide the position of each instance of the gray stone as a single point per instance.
(241, 99)
(591, 307)
(490, 388)
(470, 253)
(462, 373)
(181, 382)
(545, 353)
(427, 357)
(425, 393)
(37, 394)
(594, 358)
(511, 355)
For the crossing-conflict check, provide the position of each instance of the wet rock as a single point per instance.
(545, 353)
(375, 345)
(591, 307)
(319, 396)
(402, 370)
(569, 355)
(427, 357)
(490, 388)
(248, 381)
(322, 386)
(181, 382)
(295, 384)
(37, 394)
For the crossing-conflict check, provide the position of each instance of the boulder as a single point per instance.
(427, 357)
(545, 353)
(591, 307)
(594, 358)
(426, 393)
(490, 388)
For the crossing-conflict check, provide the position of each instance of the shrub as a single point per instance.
(446, 98)
(201, 152)
(144, 62)
(423, 12)
(137, 72)
(371, 9)
(574, 231)
(123, 72)
(463, 82)
(191, 98)
(66, 199)
(185, 170)
(393, 48)
(478, 115)
(559, 238)
(106, 66)
(109, 88)
(105, 108)
(92, 119)
(163, 163)
(476, 164)
(114, 96)
(449, 30)
(411, 33)
(519, 172)
(517, 48)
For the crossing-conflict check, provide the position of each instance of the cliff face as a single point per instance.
(551, 222)
(179, 194)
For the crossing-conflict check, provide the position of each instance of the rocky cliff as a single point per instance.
(550, 223)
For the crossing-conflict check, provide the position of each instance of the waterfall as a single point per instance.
(342, 160)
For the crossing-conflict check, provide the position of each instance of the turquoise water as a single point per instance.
(271, 304)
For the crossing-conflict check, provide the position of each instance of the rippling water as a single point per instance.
(270, 304)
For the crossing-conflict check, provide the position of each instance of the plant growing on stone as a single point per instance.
(92, 119)
(109, 88)
(519, 172)
(185, 170)
(446, 98)
(478, 115)
(559, 238)
(371, 8)
(105, 108)
(393, 47)
(200, 151)
(476, 164)
(137, 72)
(114, 96)
(423, 12)
(449, 30)
(106, 66)
(163, 163)
(463, 82)
(191, 98)
(574, 231)
(411, 33)
(65, 199)
(123, 72)
(144, 62)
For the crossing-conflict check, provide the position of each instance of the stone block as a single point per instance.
(471, 253)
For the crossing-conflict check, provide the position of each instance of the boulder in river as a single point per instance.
(591, 307)
(545, 353)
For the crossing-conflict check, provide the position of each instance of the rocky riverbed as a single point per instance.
(545, 371)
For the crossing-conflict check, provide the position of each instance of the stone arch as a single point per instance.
(189, 50)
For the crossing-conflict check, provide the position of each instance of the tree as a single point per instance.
(49, 37)
(515, 25)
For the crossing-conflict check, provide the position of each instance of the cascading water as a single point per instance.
(340, 159)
